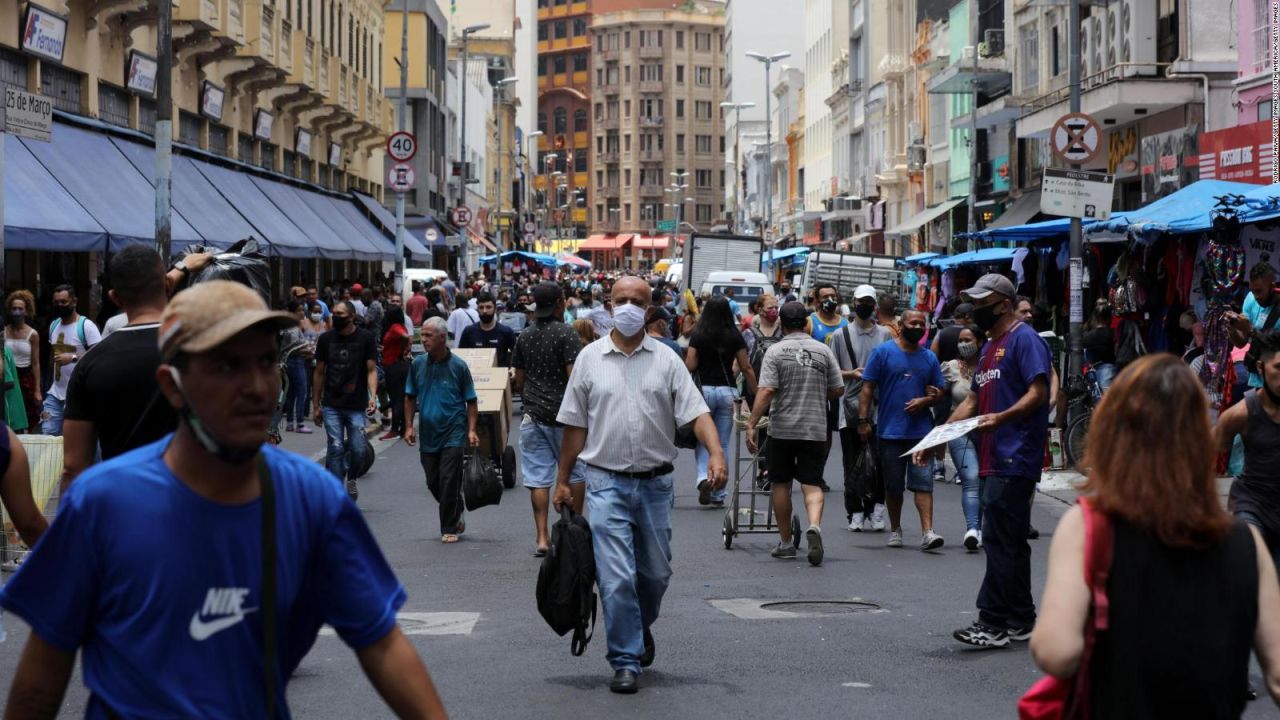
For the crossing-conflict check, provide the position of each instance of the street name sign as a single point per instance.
(1076, 193)
(28, 114)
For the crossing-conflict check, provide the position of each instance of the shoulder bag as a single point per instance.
(1053, 698)
(850, 403)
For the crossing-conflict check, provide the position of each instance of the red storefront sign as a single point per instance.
(1239, 154)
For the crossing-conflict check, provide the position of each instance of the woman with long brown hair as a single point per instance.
(1190, 592)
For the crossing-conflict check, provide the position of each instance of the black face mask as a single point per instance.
(63, 311)
(986, 317)
(829, 305)
(864, 311)
(486, 318)
(340, 322)
(913, 335)
(17, 318)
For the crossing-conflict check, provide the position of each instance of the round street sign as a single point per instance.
(401, 177)
(461, 216)
(530, 226)
(432, 235)
(402, 146)
(1076, 138)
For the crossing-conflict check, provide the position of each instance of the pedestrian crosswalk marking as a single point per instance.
(430, 623)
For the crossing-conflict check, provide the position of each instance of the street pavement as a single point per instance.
(472, 616)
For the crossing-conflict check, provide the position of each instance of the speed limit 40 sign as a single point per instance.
(402, 146)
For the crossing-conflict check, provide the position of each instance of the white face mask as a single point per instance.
(629, 319)
(317, 317)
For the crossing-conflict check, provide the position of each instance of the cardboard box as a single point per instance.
(491, 378)
(478, 357)
(494, 407)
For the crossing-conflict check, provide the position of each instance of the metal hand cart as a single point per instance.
(750, 484)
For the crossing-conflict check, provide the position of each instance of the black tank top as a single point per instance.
(1257, 490)
(1181, 630)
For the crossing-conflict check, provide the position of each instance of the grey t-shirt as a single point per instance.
(863, 342)
(801, 370)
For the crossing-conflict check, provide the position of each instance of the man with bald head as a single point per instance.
(626, 396)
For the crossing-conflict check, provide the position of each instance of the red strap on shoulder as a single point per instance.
(1099, 542)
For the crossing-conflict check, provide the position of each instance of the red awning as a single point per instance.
(623, 239)
(649, 242)
(600, 242)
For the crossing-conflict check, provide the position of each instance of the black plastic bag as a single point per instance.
(864, 482)
(481, 485)
(243, 262)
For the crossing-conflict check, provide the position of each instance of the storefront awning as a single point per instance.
(282, 237)
(373, 231)
(387, 221)
(599, 243)
(358, 237)
(1020, 212)
(39, 213)
(217, 221)
(288, 202)
(107, 186)
(923, 218)
(644, 242)
(985, 256)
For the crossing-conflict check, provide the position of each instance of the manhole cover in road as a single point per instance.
(821, 607)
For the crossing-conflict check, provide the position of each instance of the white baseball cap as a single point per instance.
(865, 291)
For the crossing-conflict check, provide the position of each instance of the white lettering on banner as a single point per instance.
(1236, 156)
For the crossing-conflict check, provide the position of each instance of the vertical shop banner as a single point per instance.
(1170, 161)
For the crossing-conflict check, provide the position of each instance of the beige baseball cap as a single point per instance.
(205, 315)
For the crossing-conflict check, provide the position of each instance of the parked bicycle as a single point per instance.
(1083, 393)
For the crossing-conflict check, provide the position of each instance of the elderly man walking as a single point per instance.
(626, 395)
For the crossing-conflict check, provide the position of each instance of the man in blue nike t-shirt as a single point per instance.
(154, 565)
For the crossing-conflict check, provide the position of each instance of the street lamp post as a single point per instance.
(467, 32)
(768, 61)
(530, 166)
(737, 153)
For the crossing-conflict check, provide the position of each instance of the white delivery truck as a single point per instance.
(708, 253)
(847, 270)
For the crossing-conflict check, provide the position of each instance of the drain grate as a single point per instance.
(821, 607)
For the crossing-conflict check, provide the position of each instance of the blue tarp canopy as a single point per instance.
(318, 235)
(39, 212)
(387, 221)
(1184, 211)
(919, 258)
(1057, 228)
(217, 221)
(974, 257)
(539, 258)
(795, 254)
(1261, 202)
(107, 186)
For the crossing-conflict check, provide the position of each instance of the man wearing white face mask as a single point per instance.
(625, 397)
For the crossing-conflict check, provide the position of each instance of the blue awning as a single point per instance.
(791, 252)
(282, 237)
(39, 213)
(362, 223)
(1187, 210)
(107, 186)
(385, 220)
(919, 258)
(319, 235)
(974, 257)
(362, 247)
(541, 259)
(1260, 203)
(217, 220)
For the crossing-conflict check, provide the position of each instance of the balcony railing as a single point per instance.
(650, 51)
(610, 193)
(609, 123)
(652, 86)
(608, 55)
(608, 156)
(651, 190)
(652, 121)
(609, 88)
(650, 155)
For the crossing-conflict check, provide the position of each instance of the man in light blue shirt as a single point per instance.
(1259, 311)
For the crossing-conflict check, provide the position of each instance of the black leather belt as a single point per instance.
(664, 469)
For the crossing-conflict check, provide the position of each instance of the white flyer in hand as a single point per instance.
(944, 434)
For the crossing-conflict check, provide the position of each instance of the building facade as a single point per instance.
(426, 106)
(658, 77)
(561, 175)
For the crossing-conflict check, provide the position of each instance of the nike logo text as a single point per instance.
(224, 607)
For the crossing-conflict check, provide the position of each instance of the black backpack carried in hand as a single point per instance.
(567, 581)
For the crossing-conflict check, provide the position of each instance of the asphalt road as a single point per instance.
(473, 620)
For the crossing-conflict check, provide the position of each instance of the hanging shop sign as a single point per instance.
(141, 75)
(262, 124)
(1122, 151)
(1239, 154)
(211, 97)
(1076, 193)
(335, 154)
(302, 142)
(44, 33)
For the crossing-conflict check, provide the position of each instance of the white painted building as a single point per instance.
(826, 24)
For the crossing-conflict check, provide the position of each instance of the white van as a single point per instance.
(747, 286)
(423, 275)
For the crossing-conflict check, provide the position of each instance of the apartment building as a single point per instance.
(563, 115)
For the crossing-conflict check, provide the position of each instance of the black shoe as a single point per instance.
(784, 551)
(1033, 533)
(624, 682)
(704, 493)
(646, 658)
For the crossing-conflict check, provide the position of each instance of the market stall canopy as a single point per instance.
(792, 254)
(48, 217)
(1259, 204)
(918, 258)
(567, 259)
(922, 218)
(1187, 210)
(539, 258)
(974, 257)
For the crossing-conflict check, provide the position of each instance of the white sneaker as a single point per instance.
(971, 541)
(931, 541)
(855, 525)
(877, 518)
(895, 539)
(979, 538)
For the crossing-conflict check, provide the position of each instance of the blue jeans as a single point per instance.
(51, 417)
(295, 403)
(344, 430)
(1106, 373)
(965, 455)
(631, 535)
(540, 455)
(720, 401)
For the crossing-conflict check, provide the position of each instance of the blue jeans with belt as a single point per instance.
(631, 536)
(720, 402)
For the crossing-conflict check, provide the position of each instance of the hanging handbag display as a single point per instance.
(1053, 698)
